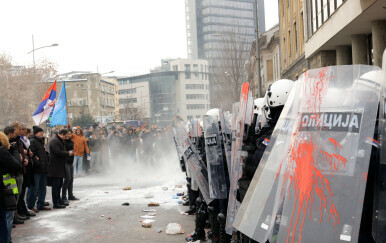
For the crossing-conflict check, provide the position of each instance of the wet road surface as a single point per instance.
(100, 217)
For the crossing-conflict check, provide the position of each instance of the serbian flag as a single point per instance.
(44, 109)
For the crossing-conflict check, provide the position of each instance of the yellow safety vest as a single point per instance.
(7, 179)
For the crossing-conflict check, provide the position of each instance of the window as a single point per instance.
(80, 102)
(195, 70)
(127, 100)
(80, 85)
(195, 107)
(195, 96)
(269, 70)
(187, 71)
(127, 91)
(194, 86)
(175, 68)
(198, 116)
(295, 38)
(189, 117)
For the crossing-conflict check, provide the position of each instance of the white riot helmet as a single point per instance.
(259, 103)
(278, 92)
(213, 112)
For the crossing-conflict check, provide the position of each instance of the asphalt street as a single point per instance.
(100, 217)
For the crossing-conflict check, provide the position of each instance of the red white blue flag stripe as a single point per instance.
(45, 107)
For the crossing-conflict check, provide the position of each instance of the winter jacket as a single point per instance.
(80, 145)
(69, 144)
(58, 157)
(37, 147)
(17, 149)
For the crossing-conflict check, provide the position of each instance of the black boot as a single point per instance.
(224, 237)
(201, 216)
(213, 234)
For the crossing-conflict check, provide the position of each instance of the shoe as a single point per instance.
(45, 208)
(34, 210)
(193, 237)
(191, 211)
(59, 206)
(13, 226)
(18, 221)
(46, 204)
(18, 216)
(186, 203)
(73, 198)
(66, 203)
(30, 213)
(24, 217)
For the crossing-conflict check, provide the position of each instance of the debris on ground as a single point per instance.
(127, 188)
(149, 195)
(158, 230)
(125, 204)
(165, 188)
(149, 210)
(102, 216)
(180, 194)
(180, 202)
(108, 218)
(183, 213)
(147, 217)
(146, 224)
(174, 229)
(178, 186)
(106, 192)
(151, 214)
(174, 197)
(153, 204)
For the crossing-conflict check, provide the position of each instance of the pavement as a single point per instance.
(100, 217)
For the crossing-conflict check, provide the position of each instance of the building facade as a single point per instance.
(352, 31)
(179, 87)
(291, 23)
(209, 22)
(89, 93)
(319, 33)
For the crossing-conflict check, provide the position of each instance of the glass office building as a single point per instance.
(209, 22)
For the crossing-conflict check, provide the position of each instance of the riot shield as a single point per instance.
(178, 149)
(237, 157)
(214, 158)
(226, 136)
(195, 131)
(197, 168)
(311, 184)
(379, 214)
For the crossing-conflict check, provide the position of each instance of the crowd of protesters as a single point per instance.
(30, 161)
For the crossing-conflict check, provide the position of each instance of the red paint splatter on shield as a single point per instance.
(309, 184)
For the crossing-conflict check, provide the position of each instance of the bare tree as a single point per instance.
(228, 70)
(23, 88)
(131, 111)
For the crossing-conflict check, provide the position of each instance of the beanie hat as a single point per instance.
(37, 129)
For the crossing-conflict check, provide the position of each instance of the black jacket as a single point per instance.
(8, 163)
(37, 147)
(58, 156)
(69, 144)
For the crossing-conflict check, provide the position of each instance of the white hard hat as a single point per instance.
(278, 92)
(259, 103)
(213, 112)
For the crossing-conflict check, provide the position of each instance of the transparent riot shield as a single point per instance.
(214, 158)
(226, 136)
(178, 149)
(311, 185)
(197, 168)
(195, 131)
(379, 206)
(237, 157)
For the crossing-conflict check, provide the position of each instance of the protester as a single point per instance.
(9, 167)
(40, 166)
(69, 171)
(80, 149)
(56, 169)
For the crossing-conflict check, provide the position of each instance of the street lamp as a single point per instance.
(33, 58)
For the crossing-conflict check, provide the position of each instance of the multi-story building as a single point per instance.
(89, 93)
(208, 22)
(291, 18)
(179, 87)
(318, 33)
(353, 31)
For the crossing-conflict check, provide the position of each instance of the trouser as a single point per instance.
(201, 216)
(19, 182)
(78, 163)
(21, 206)
(68, 181)
(38, 190)
(57, 184)
(3, 225)
(9, 217)
(95, 160)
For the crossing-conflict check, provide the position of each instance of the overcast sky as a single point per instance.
(127, 36)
